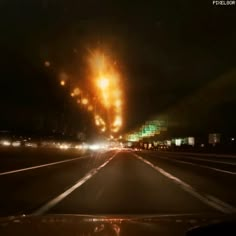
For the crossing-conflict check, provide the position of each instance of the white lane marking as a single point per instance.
(206, 160)
(213, 202)
(63, 195)
(203, 154)
(40, 166)
(202, 166)
(212, 161)
(224, 204)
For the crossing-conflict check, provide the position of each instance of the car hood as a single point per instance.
(88, 225)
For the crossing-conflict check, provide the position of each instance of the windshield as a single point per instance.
(117, 107)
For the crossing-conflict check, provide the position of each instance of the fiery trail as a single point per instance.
(104, 99)
(107, 84)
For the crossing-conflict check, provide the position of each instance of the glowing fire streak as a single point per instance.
(86, 102)
(118, 121)
(107, 84)
(106, 90)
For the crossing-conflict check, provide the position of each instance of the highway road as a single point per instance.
(115, 182)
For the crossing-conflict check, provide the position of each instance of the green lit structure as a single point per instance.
(149, 129)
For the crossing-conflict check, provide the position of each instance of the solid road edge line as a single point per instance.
(210, 201)
(40, 166)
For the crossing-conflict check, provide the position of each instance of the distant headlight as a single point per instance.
(34, 145)
(16, 144)
(79, 147)
(94, 147)
(5, 143)
(64, 146)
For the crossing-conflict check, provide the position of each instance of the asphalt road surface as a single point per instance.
(116, 182)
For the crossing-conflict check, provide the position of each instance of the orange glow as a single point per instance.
(107, 84)
(62, 83)
(117, 93)
(117, 122)
(88, 99)
(99, 121)
(115, 130)
(103, 83)
(118, 103)
(85, 101)
(47, 63)
(76, 91)
(90, 107)
(63, 76)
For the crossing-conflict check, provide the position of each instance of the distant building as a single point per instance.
(191, 141)
(214, 138)
(182, 141)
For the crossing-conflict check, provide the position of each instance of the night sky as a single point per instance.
(178, 58)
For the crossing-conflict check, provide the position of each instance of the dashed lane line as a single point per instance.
(45, 208)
